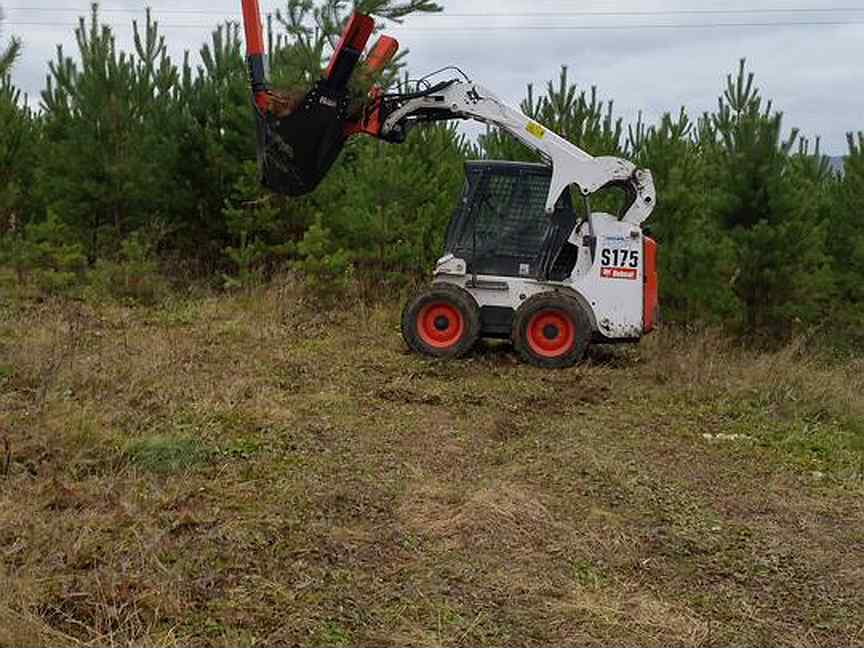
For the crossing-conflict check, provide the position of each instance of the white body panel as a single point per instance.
(610, 283)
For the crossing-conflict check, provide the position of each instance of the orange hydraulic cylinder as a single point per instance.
(382, 53)
(253, 27)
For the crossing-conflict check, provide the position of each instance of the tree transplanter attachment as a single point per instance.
(299, 138)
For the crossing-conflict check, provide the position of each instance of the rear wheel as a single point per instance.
(442, 321)
(551, 330)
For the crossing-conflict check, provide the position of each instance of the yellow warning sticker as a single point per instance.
(536, 130)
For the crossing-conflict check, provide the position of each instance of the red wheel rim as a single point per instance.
(551, 333)
(440, 325)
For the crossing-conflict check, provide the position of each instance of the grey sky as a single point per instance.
(814, 73)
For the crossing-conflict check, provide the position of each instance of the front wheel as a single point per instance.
(442, 320)
(551, 330)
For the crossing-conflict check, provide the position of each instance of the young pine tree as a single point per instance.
(218, 139)
(18, 140)
(783, 276)
(108, 156)
(697, 259)
(845, 237)
(388, 204)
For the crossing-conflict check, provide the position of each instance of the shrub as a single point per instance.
(46, 254)
(326, 269)
(133, 278)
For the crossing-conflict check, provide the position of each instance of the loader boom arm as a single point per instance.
(570, 164)
(297, 146)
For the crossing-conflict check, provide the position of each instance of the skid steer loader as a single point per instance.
(525, 257)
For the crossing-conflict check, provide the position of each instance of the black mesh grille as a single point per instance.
(501, 226)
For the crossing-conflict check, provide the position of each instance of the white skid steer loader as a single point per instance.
(520, 261)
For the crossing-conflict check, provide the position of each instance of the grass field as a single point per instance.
(247, 470)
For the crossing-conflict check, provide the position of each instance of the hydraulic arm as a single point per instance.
(299, 139)
(391, 116)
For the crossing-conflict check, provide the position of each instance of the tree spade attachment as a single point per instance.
(300, 135)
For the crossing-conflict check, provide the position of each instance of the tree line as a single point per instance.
(133, 169)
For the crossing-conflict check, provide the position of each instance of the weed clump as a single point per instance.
(166, 454)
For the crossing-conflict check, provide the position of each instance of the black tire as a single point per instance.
(551, 331)
(442, 321)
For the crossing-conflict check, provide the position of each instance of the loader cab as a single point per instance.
(500, 227)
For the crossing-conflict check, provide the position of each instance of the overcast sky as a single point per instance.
(813, 72)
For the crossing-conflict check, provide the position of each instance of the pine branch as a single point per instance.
(8, 55)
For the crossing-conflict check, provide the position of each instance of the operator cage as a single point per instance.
(501, 228)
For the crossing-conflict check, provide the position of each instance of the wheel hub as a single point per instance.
(550, 332)
(440, 325)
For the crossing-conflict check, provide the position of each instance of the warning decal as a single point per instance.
(536, 130)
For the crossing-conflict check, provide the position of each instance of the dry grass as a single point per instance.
(249, 470)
